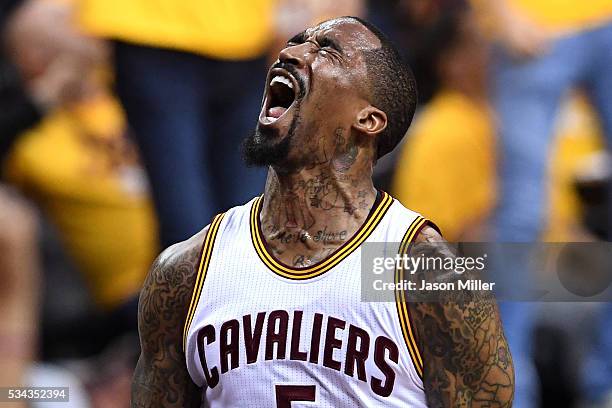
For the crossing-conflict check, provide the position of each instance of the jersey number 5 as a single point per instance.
(287, 393)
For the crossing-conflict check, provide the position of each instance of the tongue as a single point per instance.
(276, 112)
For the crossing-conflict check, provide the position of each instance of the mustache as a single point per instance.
(295, 73)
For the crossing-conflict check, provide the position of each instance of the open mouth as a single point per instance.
(282, 94)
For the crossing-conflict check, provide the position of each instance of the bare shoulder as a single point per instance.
(170, 281)
(429, 242)
(161, 377)
(181, 254)
(429, 234)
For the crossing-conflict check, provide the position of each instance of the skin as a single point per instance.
(19, 294)
(323, 183)
(467, 362)
(54, 59)
(161, 378)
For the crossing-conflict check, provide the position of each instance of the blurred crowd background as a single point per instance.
(120, 123)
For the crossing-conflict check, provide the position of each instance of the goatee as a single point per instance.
(259, 150)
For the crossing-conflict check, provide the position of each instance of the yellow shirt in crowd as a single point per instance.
(565, 15)
(578, 139)
(447, 167)
(223, 29)
(78, 165)
(446, 170)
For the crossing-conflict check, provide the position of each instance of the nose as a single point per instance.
(295, 54)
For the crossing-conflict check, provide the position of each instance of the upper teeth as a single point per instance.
(282, 80)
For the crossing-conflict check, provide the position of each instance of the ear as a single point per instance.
(370, 121)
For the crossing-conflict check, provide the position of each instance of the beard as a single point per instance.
(261, 151)
(261, 148)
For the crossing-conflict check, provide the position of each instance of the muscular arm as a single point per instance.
(161, 378)
(467, 362)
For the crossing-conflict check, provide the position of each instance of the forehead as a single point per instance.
(349, 33)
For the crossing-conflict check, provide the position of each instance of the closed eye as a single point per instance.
(326, 42)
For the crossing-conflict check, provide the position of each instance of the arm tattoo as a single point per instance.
(161, 378)
(467, 362)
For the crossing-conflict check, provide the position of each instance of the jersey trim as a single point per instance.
(400, 300)
(207, 249)
(373, 219)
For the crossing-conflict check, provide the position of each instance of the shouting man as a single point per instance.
(263, 307)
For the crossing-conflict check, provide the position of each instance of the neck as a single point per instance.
(308, 214)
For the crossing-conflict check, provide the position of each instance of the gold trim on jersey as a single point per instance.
(373, 219)
(400, 300)
(207, 248)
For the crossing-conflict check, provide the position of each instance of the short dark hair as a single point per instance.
(393, 89)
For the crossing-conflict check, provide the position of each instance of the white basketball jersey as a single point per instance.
(262, 334)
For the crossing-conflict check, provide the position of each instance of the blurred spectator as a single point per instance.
(108, 225)
(41, 64)
(51, 56)
(90, 185)
(188, 74)
(413, 27)
(545, 48)
(578, 139)
(19, 263)
(598, 367)
(19, 271)
(18, 111)
(446, 169)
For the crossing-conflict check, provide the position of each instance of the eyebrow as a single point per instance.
(301, 38)
(298, 38)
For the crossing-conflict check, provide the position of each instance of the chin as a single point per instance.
(262, 149)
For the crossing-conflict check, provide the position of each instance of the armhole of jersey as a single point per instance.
(403, 312)
(205, 255)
